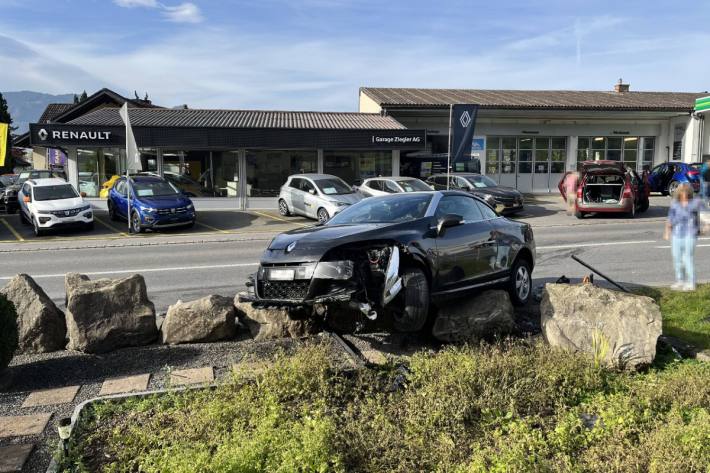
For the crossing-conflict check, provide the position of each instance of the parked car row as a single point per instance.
(49, 203)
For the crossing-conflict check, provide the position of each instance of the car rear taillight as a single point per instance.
(579, 192)
(693, 173)
(627, 191)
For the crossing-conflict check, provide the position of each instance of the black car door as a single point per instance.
(465, 254)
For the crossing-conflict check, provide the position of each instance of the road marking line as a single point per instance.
(12, 230)
(142, 270)
(274, 217)
(110, 227)
(584, 245)
(211, 227)
(668, 246)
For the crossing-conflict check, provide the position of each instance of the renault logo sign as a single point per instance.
(42, 134)
(465, 119)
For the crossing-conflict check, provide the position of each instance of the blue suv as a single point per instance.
(665, 178)
(155, 204)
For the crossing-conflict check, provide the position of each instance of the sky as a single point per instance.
(315, 54)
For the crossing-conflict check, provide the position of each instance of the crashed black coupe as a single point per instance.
(395, 255)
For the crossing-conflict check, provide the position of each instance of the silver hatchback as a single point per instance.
(318, 196)
(375, 186)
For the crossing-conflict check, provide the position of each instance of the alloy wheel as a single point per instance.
(323, 215)
(283, 208)
(136, 223)
(672, 187)
(522, 283)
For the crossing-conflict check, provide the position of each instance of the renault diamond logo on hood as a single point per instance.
(42, 134)
(465, 119)
(290, 247)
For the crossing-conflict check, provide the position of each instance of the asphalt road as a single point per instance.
(184, 267)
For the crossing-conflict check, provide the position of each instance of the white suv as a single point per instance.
(53, 203)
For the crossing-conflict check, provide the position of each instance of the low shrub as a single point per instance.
(8, 331)
(510, 407)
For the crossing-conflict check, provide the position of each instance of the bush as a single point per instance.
(8, 331)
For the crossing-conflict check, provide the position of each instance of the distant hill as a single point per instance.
(26, 107)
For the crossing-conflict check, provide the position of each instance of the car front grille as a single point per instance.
(177, 210)
(67, 213)
(284, 290)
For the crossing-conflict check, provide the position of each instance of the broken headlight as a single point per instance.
(334, 270)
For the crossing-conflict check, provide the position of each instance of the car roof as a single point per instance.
(462, 174)
(47, 181)
(394, 178)
(314, 176)
(145, 178)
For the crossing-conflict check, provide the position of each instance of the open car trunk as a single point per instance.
(603, 189)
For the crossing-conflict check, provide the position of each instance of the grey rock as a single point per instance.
(271, 323)
(624, 327)
(209, 319)
(41, 325)
(469, 320)
(106, 314)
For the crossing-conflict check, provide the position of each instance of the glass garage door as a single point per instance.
(529, 164)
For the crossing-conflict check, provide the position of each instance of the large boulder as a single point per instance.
(209, 319)
(617, 328)
(469, 320)
(41, 326)
(270, 323)
(106, 314)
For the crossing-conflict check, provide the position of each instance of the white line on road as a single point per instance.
(608, 243)
(143, 270)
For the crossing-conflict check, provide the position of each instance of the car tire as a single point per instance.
(322, 215)
(415, 305)
(645, 204)
(112, 215)
(283, 208)
(579, 214)
(38, 231)
(520, 283)
(135, 223)
(672, 187)
(190, 225)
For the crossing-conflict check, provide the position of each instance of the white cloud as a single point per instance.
(183, 13)
(186, 12)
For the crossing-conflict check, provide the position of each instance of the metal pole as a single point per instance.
(128, 183)
(448, 155)
(600, 274)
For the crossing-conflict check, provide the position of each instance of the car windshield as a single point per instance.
(413, 185)
(481, 181)
(58, 192)
(154, 188)
(32, 175)
(333, 186)
(396, 208)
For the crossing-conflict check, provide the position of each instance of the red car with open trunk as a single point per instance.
(608, 187)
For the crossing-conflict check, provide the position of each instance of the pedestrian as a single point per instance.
(571, 183)
(682, 230)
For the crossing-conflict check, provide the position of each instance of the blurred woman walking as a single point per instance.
(682, 229)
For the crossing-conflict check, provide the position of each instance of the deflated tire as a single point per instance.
(415, 295)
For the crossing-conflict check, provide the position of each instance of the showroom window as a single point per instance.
(98, 168)
(539, 155)
(267, 170)
(88, 165)
(649, 143)
(354, 166)
(615, 148)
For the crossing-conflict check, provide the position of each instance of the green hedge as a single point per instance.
(8, 331)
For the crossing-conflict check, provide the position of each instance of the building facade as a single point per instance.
(528, 139)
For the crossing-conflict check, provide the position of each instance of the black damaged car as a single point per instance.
(394, 256)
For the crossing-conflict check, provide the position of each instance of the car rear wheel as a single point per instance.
(283, 208)
(415, 288)
(323, 215)
(672, 187)
(136, 223)
(520, 283)
(644, 205)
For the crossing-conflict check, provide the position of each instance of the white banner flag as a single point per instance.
(133, 156)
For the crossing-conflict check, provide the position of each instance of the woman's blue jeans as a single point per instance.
(683, 250)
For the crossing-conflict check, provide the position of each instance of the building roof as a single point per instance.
(101, 98)
(534, 99)
(53, 110)
(209, 118)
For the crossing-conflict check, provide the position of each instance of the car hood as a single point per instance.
(13, 187)
(64, 204)
(313, 242)
(165, 202)
(498, 191)
(349, 199)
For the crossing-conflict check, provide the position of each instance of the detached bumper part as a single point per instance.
(393, 283)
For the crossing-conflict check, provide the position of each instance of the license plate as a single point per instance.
(281, 274)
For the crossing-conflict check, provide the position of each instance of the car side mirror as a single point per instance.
(312, 191)
(26, 199)
(448, 221)
(82, 194)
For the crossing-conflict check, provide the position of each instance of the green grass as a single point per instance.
(686, 315)
(509, 407)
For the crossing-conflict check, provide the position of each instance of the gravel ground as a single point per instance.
(66, 368)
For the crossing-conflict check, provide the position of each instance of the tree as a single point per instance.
(83, 96)
(6, 118)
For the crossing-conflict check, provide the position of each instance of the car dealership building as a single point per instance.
(240, 158)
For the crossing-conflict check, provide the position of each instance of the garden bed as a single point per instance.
(513, 406)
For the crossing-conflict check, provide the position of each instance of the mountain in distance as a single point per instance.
(26, 107)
